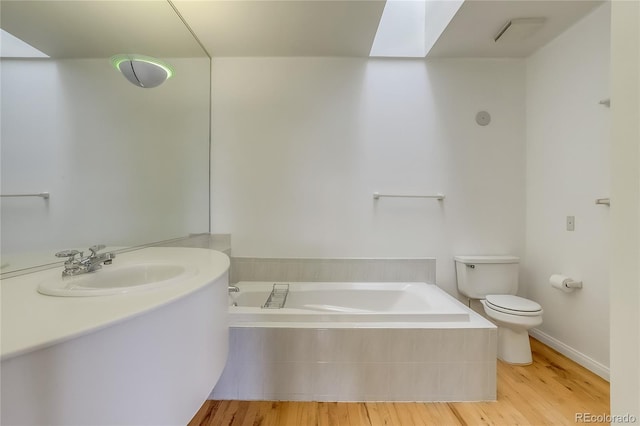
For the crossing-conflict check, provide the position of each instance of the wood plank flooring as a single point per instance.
(549, 392)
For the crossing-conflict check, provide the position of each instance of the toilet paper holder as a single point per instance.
(564, 282)
(573, 284)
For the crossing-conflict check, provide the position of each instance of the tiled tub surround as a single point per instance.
(383, 360)
(336, 270)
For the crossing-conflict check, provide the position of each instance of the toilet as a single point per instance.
(494, 281)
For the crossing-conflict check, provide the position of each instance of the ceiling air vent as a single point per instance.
(519, 29)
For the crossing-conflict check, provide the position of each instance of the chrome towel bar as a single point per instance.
(377, 195)
(44, 195)
(605, 201)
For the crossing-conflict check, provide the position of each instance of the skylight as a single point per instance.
(13, 47)
(401, 30)
(410, 28)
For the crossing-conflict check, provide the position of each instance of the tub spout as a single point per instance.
(233, 289)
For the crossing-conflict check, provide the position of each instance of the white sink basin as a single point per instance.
(116, 279)
(55, 348)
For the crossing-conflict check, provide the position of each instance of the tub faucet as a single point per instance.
(77, 263)
(233, 289)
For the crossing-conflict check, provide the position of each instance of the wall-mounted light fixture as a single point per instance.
(143, 71)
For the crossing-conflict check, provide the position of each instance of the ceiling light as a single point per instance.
(143, 71)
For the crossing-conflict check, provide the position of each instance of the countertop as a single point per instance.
(32, 321)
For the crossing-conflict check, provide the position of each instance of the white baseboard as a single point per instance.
(566, 350)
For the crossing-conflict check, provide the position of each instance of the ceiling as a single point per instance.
(284, 28)
(77, 29)
(99, 29)
(472, 30)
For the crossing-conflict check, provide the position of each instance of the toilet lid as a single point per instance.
(513, 304)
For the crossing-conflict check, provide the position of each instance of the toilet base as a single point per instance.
(514, 346)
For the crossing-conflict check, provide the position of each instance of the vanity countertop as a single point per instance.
(32, 321)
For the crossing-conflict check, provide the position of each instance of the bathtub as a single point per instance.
(346, 303)
(357, 342)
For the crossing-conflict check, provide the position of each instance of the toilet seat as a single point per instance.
(513, 305)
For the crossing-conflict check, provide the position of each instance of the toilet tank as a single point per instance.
(479, 276)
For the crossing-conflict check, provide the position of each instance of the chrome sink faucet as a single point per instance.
(77, 263)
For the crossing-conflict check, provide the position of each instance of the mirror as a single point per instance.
(123, 166)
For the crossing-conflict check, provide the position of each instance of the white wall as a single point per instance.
(625, 209)
(567, 158)
(300, 145)
(124, 165)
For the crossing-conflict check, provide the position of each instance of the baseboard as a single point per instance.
(574, 355)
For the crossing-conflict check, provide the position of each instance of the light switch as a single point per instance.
(571, 223)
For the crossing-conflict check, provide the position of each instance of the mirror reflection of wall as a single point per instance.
(124, 165)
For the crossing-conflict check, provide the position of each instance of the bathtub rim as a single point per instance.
(476, 320)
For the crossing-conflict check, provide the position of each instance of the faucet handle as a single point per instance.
(68, 253)
(95, 249)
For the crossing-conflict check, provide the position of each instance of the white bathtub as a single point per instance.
(347, 302)
(357, 342)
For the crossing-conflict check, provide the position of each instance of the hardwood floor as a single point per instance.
(551, 391)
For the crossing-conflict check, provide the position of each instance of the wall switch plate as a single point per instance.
(571, 223)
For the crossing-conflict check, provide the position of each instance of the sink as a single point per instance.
(161, 340)
(117, 279)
